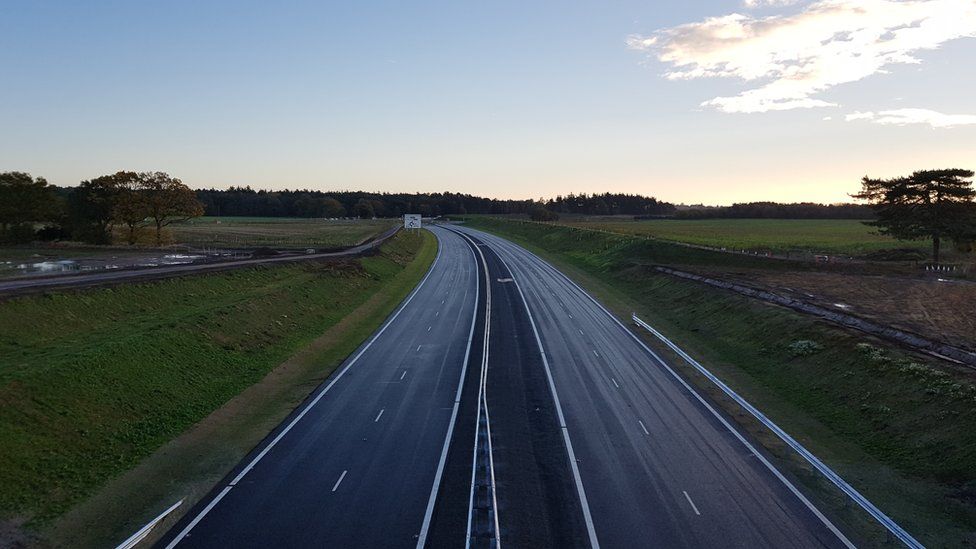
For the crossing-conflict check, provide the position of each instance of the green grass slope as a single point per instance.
(92, 382)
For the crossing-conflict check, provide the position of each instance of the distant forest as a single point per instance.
(774, 210)
(245, 201)
(304, 203)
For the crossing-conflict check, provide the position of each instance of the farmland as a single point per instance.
(276, 232)
(833, 236)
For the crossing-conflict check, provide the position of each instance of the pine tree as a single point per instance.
(932, 204)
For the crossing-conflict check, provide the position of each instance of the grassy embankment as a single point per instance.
(895, 426)
(832, 236)
(93, 382)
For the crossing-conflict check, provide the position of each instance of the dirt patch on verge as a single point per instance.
(938, 309)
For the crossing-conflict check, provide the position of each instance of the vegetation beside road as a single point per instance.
(93, 382)
(897, 426)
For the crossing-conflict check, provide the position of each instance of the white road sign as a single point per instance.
(411, 221)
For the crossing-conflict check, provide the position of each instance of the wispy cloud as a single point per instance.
(768, 3)
(858, 115)
(904, 117)
(793, 58)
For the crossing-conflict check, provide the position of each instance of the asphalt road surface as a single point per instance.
(657, 467)
(357, 469)
(593, 442)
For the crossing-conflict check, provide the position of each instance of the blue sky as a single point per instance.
(680, 100)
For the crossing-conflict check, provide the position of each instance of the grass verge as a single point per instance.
(895, 426)
(97, 383)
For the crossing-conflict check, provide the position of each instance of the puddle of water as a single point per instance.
(44, 266)
(60, 266)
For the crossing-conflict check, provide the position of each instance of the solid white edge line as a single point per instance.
(692, 503)
(587, 517)
(828, 473)
(482, 404)
(199, 517)
(309, 406)
(830, 526)
(338, 482)
(431, 501)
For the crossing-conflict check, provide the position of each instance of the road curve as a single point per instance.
(356, 465)
(33, 284)
(658, 468)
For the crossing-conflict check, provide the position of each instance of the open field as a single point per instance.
(830, 236)
(895, 425)
(93, 382)
(285, 232)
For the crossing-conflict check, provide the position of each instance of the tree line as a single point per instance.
(245, 201)
(609, 204)
(91, 211)
(775, 210)
(928, 204)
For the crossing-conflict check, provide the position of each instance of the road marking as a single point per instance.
(692, 503)
(574, 465)
(570, 316)
(418, 347)
(311, 404)
(379, 415)
(338, 482)
(596, 353)
(437, 313)
(581, 331)
(199, 517)
(432, 498)
(614, 382)
(642, 427)
(483, 407)
(895, 529)
(403, 374)
(428, 328)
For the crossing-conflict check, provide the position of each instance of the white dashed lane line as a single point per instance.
(338, 482)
